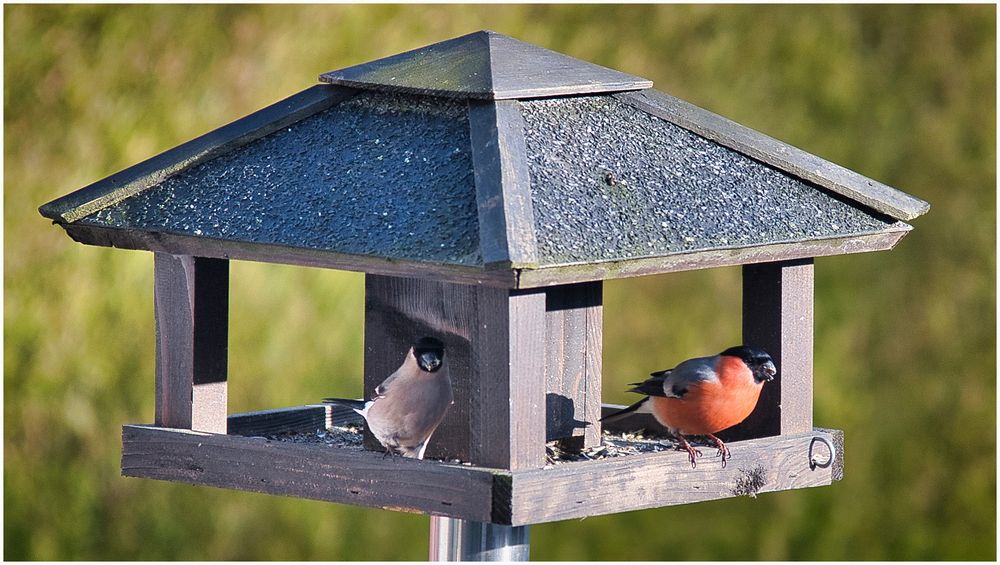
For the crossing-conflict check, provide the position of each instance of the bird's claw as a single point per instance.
(692, 452)
(723, 450)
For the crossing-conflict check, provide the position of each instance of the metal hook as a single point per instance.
(814, 461)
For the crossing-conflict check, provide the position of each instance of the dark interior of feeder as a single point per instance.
(716, 321)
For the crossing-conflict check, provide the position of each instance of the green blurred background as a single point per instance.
(905, 340)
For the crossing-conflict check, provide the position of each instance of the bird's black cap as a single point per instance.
(758, 360)
(428, 343)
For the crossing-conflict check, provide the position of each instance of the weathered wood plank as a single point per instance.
(574, 319)
(294, 419)
(506, 220)
(592, 488)
(793, 160)
(315, 471)
(564, 274)
(178, 244)
(507, 419)
(778, 317)
(525, 383)
(141, 176)
(524, 497)
(192, 330)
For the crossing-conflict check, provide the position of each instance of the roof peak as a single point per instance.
(485, 65)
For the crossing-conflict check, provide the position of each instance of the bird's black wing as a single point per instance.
(674, 383)
(652, 386)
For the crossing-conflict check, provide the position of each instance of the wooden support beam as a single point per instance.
(192, 331)
(574, 329)
(507, 420)
(778, 317)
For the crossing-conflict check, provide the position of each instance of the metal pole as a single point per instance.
(453, 539)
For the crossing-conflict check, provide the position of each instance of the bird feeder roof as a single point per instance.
(484, 159)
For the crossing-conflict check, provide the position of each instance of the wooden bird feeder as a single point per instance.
(486, 187)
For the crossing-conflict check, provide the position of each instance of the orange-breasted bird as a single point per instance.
(704, 395)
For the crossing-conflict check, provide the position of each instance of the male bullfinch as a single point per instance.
(410, 403)
(704, 395)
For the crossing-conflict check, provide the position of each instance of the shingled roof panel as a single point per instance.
(611, 182)
(382, 175)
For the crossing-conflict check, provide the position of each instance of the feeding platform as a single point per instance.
(486, 187)
(254, 457)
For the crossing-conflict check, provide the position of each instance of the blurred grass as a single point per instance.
(905, 340)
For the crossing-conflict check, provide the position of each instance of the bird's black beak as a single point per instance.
(768, 371)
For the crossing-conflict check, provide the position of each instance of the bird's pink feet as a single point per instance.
(692, 452)
(723, 450)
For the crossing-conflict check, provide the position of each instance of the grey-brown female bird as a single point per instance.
(410, 404)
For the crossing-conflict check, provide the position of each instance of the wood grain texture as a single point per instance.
(654, 480)
(565, 274)
(314, 471)
(133, 180)
(793, 160)
(398, 312)
(178, 244)
(506, 220)
(191, 297)
(495, 355)
(574, 328)
(523, 386)
(778, 317)
(523, 497)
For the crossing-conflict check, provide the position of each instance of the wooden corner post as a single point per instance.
(778, 317)
(191, 296)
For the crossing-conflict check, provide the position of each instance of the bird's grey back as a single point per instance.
(699, 369)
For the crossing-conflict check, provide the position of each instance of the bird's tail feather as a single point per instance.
(359, 406)
(638, 406)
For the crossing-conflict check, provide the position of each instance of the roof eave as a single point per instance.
(504, 274)
(711, 258)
